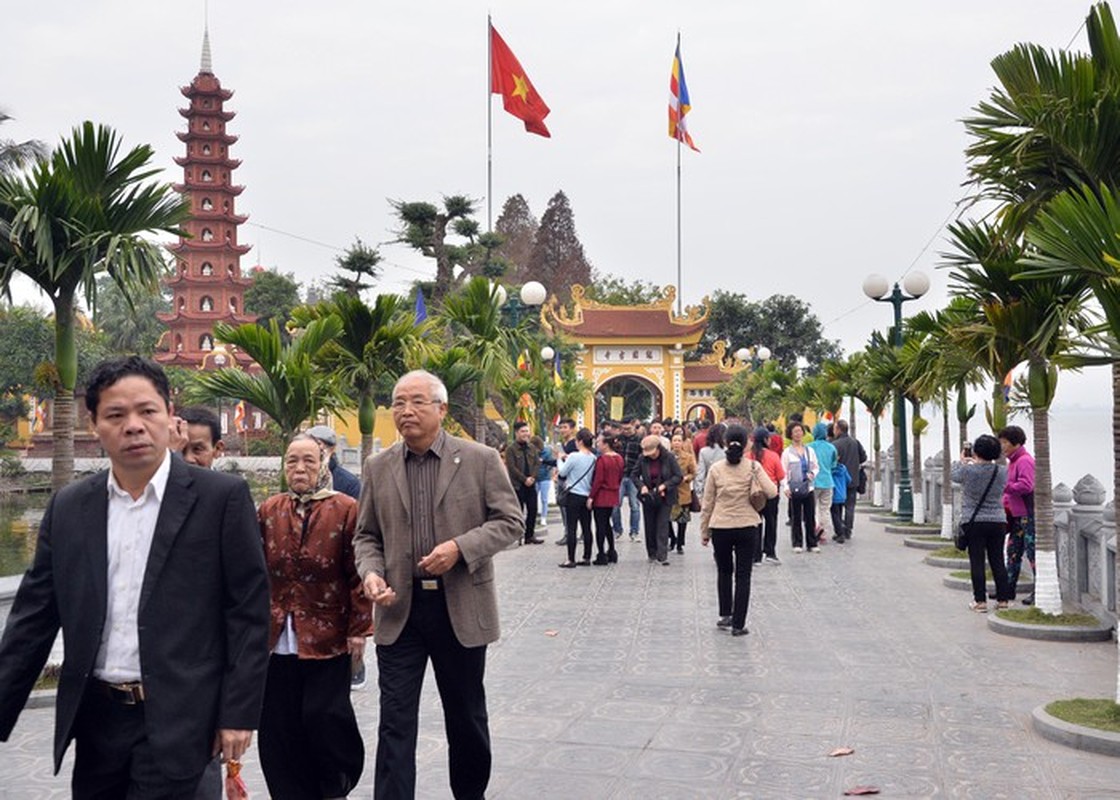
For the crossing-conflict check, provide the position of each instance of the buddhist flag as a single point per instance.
(508, 79)
(679, 104)
(523, 361)
(420, 311)
(557, 377)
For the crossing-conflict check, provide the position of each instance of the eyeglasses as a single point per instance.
(401, 403)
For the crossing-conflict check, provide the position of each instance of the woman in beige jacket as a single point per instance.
(731, 524)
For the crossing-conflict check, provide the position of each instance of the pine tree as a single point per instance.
(558, 260)
(518, 228)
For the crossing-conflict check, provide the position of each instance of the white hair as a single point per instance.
(439, 391)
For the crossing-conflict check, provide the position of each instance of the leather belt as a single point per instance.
(128, 694)
(427, 584)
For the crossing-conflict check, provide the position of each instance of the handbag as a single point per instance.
(694, 506)
(758, 498)
(960, 536)
(802, 488)
(861, 481)
(562, 485)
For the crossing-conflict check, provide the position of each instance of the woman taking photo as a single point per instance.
(578, 472)
(983, 518)
(772, 463)
(604, 498)
(680, 514)
(732, 524)
(309, 742)
(800, 465)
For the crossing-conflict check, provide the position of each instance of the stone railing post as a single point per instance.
(1087, 563)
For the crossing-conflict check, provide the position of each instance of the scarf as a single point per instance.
(324, 487)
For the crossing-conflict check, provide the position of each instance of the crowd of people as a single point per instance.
(192, 619)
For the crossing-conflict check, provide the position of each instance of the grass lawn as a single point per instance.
(1032, 616)
(932, 538)
(1100, 714)
(949, 552)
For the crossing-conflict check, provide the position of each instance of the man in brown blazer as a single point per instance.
(434, 510)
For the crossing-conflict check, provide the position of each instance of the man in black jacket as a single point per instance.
(155, 574)
(851, 454)
(657, 477)
(522, 461)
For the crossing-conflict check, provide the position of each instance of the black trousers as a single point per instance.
(836, 511)
(604, 535)
(309, 742)
(769, 531)
(986, 538)
(734, 550)
(459, 676)
(657, 529)
(527, 495)
(578, 514)
(113, 758)
(803, 510)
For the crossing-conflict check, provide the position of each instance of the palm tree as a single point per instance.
(473, 320)
(84, 212)
(288, 387)
(369, 353)
(15, 156)
(1032, 321)
(874, 387)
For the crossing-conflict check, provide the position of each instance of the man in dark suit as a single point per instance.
(155, 573)
(434, 510)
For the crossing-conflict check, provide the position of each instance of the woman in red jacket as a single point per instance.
(604, 498)
(771, 462)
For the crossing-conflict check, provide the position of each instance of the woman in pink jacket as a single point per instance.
(1018, 500)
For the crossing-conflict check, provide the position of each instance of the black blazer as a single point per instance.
(671, 476)
(203, 617)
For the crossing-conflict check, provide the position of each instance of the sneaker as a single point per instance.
(562, 540)
(814, 549)
(723, 622)
(772, 560)
(617, 535)
(634, 537)
(979, 608)
(1029, 599)
(357, 675)
(797, 549)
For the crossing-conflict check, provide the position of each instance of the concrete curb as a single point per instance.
(921, 544)
(884, 518)
(1022, 590)
(948, 563)
(1075, 736)
(44, 698)
(1050, 633)
(914, 530)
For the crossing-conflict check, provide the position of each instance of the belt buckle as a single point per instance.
(130, 693)
(429, 584)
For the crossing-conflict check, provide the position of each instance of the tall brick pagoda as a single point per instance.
(206, 286)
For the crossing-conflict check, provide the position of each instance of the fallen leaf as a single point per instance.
(841, 751)
(862, 790)
(551, 633)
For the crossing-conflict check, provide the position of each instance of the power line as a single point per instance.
(334, 247)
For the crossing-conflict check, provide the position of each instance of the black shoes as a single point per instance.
(568, 565)
(534, 540)
(739, 631)
(601, 560)
(612, 557)
(724, 622)
(1029, 599)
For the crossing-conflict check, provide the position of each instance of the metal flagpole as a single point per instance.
(489, 125)
(679, 137)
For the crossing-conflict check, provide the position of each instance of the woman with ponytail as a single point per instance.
(732, 525)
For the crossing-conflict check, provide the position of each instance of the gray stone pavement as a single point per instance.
(613, 682)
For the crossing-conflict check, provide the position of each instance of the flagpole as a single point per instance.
(679, 298)
(489, 125)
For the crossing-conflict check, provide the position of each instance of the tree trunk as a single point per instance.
(1116, 489)
(1047, 589)
(916, 492)
(62, 434)
(367, 417)
(852, 417)
(875, 487)
(946, 470)
(66, 362)
(367, 448)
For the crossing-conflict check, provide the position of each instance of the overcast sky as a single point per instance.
(831, 135)
(830, 132)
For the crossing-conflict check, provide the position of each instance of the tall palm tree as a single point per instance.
(288, 387)
(1041, 322)
(85, 211)
(370, 352)
(472, 317)
(874, 387)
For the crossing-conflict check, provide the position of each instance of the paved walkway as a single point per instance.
(613, 682)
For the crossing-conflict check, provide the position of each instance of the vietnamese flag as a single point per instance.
(508, 79)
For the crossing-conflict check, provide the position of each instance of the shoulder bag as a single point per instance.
(563, 484)
(758, 497)
(960, 538)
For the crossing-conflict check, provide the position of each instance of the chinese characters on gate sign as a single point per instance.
(627, 355)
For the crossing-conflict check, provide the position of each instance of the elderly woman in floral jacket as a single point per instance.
(309, 742)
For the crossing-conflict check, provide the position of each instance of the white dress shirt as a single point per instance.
(130, 526)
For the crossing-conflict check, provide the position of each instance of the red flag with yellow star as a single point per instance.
(508, 79)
